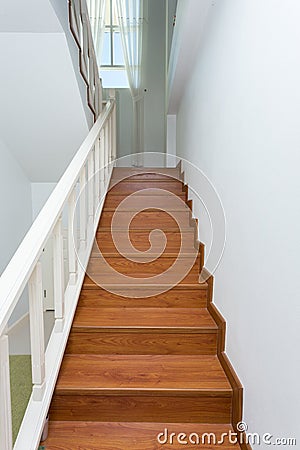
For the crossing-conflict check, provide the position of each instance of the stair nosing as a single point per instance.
(187, 286)
(154, 391)
(168, 330)
(128, 255)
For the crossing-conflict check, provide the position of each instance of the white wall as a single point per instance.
(171, 141)
(41, 112)
(125, 123)
(15, 201)
(238, 120)
(155, 78)
(40, 193)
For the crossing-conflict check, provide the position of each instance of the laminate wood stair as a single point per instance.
(138, 361)
(186, 331)
(131, 435)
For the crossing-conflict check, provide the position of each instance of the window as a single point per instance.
(112, 70)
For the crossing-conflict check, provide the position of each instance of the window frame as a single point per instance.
(111, 28)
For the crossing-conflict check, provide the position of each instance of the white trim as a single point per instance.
(17, 273)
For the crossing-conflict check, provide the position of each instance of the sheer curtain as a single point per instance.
(97, 17)
(131, 20)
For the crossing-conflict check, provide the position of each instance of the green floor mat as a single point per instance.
(21, 387)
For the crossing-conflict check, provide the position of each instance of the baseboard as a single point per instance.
(237, 388)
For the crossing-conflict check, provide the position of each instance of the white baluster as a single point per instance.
(106, 144)
(114, 132)
(97, 174)
(58, 276)
(91, 185)
(72, 240)
(110, 140)
(83, 218)
(5, 400)
(102, 162)
(37, 332)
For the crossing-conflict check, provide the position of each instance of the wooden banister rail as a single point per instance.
(81, 29)
(81, 191)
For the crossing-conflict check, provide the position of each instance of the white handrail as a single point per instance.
(19, 269)
(25, 268)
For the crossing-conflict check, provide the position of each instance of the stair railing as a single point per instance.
(81, 30)
(80, 193)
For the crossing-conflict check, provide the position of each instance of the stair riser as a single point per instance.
(142, 343)
(186, 265)
(112, 201)
(169, 175)
(183, 298)
(140, 241)
(130, 187)
(147, 220)
(169, 409)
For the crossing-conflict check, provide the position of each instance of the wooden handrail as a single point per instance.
(81, 29)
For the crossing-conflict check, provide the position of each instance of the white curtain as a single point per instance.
(131, 20)
(97, 17)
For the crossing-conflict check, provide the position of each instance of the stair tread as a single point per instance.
(117, 374)
(122, 172)
(70, 435)
(93, 296)
(140, 318)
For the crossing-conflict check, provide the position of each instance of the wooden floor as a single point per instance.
(143, 357)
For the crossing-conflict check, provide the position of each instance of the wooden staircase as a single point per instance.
(140, 363)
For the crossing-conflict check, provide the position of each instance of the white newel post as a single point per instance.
(58, 275)
(83, 219)
(71, 240)
(91, 185)
(37, 332)
(5, 400)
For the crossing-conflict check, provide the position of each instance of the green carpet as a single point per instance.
(20, 387)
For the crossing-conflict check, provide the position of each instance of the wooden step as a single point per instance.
(135, 435)
(144, 374)
(146, 219)
(121, 173)
(129, 187)
(141, 202)
(140, 240)
(159, 275)
(186, 264)
(147, 388)
(138, 287)
(163, 200)
(193, 296)
(143, 331)
(174, 319)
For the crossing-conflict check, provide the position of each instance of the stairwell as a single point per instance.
(144, 365)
